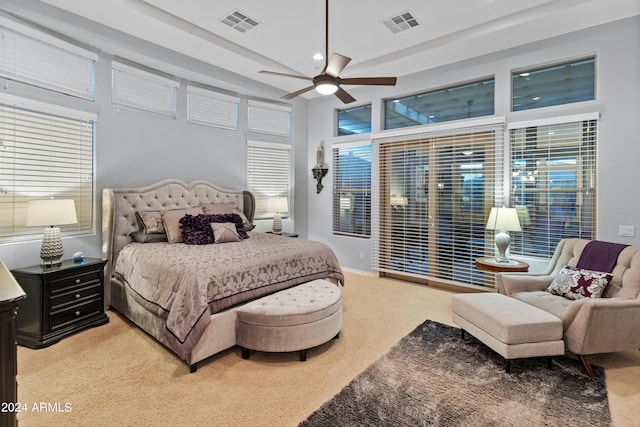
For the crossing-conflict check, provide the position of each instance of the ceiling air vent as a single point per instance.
(239, 21)
(401, 22)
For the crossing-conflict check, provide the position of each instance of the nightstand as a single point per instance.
(284, 234)
(60, 300)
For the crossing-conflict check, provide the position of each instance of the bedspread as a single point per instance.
(184, 284)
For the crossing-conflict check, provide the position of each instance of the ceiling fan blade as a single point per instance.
(336, 64)
(344, 96)
(298, 92)
(295, 76)
(379, 81)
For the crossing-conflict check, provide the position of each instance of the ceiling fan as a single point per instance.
(328, 81)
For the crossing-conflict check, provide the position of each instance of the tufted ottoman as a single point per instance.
(510, 327)
(294, 319)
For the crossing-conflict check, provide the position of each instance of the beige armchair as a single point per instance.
(591, 326)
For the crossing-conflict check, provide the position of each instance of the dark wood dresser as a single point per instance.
(60, 300)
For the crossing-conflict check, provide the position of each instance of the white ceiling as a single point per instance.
(289, 32)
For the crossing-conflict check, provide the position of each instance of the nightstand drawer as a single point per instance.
(75, 313)
(74, 295)
(64, 284)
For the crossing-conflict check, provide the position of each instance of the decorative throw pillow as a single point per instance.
(573, 283)
(227, 208)
(171, 221)
(196, 230)
(142, 237)
(224, 232)
(150, 221)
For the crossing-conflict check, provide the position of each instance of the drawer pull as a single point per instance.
(77, 313)
(77, 281)
(77, 296)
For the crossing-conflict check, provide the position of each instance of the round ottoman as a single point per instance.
(294, 319)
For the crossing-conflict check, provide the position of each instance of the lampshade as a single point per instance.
(326, 88)
(51, 212)
(505, 219)
(277, 205)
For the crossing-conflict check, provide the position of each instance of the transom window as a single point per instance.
(355, 120)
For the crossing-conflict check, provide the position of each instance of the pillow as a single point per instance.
(227, 208)
(150, 221)
(171, 221)
(196, 230)
(142, 237)
(224, 232)
(573, 283)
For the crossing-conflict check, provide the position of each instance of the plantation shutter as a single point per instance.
(434, 191)
(268, 174)
(45, 151)
(139, 89)
(553, 174)
(36, 58)
(207, 107)
(269, 118)
(352, 189)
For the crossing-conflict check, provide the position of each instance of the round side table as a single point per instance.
(490, 264)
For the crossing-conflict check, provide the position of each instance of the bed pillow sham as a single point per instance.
(227, 208)
(225, 232)
(150, 222)
(142, 237)
(171, 221)
(196, 230)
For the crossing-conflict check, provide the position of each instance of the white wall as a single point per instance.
(135, 148)
(618, 92)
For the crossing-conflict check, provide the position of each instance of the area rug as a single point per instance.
(435, 377)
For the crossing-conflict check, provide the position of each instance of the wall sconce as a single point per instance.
(319, 171)
(51, 213)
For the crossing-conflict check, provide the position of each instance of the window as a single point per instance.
(456, 102)
(210, 108)
(268, 174)
(558, 84)
(269, 118)
(434, 193)
(553, 177)
(355, 120)
(33, 57)
(139, 89)
(352, 189)
(45, 151)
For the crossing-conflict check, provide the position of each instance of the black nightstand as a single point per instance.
(60, 300)
(284, 234)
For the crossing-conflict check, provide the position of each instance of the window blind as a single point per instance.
(33, 57)
(553, 179)
(45, 151)
(434, 191)
(269, 118)
(268, 174)
(136, 88)
(352, 189)
(207, 107)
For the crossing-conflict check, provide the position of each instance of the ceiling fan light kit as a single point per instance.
(328, 81)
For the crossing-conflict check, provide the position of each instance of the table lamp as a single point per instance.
(51, 213)
(277, 205)
(503, 220)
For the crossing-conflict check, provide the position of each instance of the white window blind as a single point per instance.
(268, 174)
(136, 88)
(45, 151)
(207, 107)
(33, 57)
(269, 118)
(352, 189)
(434, 192)
(553, 179)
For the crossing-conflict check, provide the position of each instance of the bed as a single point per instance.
(186, 294)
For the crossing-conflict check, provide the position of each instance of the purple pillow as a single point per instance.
(196, 230)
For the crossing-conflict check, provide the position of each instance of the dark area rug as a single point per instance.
(434, 377)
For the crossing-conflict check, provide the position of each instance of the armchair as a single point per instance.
(591, 326)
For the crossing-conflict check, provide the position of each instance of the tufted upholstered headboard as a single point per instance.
(119, 207)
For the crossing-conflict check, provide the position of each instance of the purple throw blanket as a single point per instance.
(600, 256)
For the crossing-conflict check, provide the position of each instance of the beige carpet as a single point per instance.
(116, 375)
